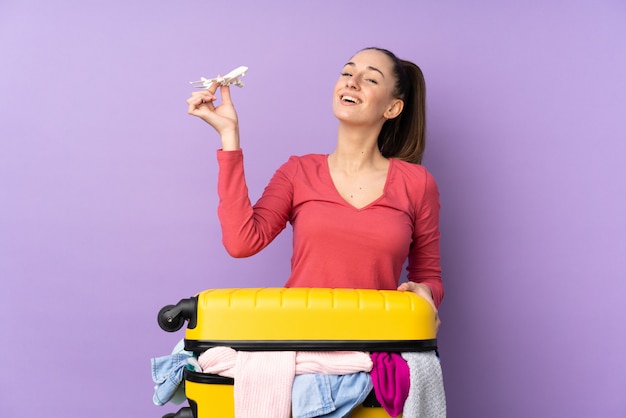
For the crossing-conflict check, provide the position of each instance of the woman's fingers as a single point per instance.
(221, 116)
(195, 103)
(200, 100)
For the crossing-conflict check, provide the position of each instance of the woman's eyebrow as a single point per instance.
(369, 67)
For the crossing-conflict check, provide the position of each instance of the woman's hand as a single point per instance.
(223, 118)
(423, 291)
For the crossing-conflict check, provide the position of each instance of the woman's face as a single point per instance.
(363, 93)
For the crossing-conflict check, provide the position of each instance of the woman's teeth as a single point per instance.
(350, 99)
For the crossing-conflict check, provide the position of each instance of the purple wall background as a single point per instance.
(108, 202)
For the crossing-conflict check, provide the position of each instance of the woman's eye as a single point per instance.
(346, 74)
(371, 80)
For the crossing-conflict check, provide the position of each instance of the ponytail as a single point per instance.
(404, 137)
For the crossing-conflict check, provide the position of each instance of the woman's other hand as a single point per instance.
(423, 291)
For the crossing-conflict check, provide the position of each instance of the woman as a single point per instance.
(358, 213)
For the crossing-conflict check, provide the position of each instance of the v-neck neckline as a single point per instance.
(343, 199)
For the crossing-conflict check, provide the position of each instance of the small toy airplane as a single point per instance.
(227, 80)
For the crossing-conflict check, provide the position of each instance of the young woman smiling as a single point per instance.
(357, 213)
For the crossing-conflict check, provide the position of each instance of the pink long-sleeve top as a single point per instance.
(336, 245)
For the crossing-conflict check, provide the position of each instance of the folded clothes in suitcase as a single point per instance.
(294, 319)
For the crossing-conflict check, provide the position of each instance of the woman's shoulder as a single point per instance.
(413, 182)
(411, 170)
(303, 165)
(310, 158)
(306, 161)
(414, 179)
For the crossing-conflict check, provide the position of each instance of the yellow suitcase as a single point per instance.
(294, 319)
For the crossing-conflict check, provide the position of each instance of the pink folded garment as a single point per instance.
(263, 382)
(219, 360)
(263, 379)
(332, 362)
(222, 361)
(391, 378)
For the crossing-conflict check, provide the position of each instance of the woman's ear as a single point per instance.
(394, 109)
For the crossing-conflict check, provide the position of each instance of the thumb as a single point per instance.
(225, 92)
(405, 286)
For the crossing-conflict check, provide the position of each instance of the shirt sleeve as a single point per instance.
(247, 229)
(424, 264)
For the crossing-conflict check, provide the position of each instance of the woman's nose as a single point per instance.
(352, 83)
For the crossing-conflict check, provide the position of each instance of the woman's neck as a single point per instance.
(357, 149)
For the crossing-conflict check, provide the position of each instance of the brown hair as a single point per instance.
(404, 137)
